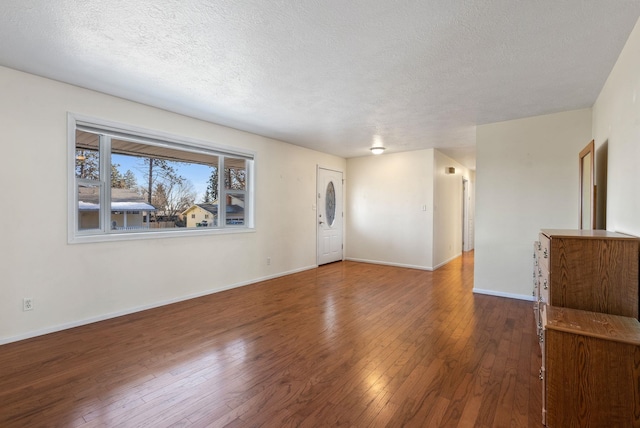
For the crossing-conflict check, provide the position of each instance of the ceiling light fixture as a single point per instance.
(378, 145)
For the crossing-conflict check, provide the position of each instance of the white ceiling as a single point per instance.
(330, 74)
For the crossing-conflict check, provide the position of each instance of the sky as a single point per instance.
(196, 174)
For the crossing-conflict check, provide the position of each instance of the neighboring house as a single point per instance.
(201, 215)
(129, 210)
(206, 215)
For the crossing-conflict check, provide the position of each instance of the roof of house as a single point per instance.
(209, 207)
(213, 208)
(121, 200)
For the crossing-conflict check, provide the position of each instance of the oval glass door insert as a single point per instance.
(330, 202)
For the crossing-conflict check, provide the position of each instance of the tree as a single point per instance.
(167, 190)
(173, 197)
(117, 180)
(159, 171)
(159, 199)
(130, 181)
(88, 164)
(235, 178)
(211, 194)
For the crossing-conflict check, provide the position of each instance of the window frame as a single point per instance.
(151, 137)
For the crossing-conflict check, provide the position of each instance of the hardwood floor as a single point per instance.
(347, 344)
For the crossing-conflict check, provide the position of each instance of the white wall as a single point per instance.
(526, 180)
(447, 209)
(385, 221)
(73, 284)
(472, 212)
(616, 122)
(404, 210)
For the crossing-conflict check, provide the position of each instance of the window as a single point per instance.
(153, 184)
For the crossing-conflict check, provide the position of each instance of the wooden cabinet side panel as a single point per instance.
(599, 275)
(544, 250)
(591, 382)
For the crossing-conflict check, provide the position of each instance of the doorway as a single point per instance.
(329, 216)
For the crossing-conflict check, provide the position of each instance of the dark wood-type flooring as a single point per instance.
(347, 344)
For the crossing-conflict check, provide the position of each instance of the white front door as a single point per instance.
(330, 216)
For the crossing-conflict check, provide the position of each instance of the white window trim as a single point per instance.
(75, 237)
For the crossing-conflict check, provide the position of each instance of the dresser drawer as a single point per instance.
(590, 372)
(592, 270)
(586, 305)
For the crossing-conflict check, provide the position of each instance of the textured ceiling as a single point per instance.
(327, 74)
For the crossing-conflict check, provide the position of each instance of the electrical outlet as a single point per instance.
(27, 304)
(268, 261)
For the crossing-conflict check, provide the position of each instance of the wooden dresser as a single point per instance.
(578, 272)
(590, 369)
(592, 270)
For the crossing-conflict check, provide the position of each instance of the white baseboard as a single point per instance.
(439, 265)
(128, 311)
(378, 262)
(502, 294)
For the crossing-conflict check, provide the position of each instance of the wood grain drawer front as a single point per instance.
(586, 287)
(591, 369)
(599, 275)
(593, 270)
